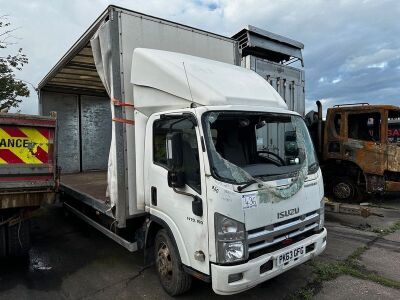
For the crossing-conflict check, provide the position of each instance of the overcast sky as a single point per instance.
(352, 47)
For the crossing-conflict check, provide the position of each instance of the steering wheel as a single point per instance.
(281, 161)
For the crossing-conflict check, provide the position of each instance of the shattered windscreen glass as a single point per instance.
(253, 147)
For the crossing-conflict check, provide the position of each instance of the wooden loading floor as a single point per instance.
(88, 187)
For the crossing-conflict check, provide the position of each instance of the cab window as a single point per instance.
(365, 126)
(190, 149)
(337, 121)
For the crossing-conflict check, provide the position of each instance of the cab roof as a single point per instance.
(198, 80)
(362, 107)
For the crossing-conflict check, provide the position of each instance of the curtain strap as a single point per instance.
(126, 121)
(120, 103)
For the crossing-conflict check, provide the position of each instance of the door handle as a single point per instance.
(154, 195)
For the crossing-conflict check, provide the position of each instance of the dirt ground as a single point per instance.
(70, 260)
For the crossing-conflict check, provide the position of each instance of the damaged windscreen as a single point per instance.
(248, 147)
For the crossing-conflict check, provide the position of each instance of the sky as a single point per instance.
(352, 47)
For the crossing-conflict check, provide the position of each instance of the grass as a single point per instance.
(351, 266)
(389, 230)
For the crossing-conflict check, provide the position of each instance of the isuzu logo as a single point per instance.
(287, 213)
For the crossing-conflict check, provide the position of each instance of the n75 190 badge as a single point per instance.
(291, 255)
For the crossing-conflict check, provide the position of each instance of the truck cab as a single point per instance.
(233, 178)
(360, 151)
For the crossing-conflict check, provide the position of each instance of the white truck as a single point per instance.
(208, 171)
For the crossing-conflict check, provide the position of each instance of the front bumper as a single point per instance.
(251, 270)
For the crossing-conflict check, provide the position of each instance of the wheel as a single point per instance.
(344, 189)
(19, 239)
(3, 247)
(173, 278)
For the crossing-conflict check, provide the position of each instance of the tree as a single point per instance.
(11, 88)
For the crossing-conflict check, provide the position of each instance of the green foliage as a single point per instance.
(11, 88)
(324, 271)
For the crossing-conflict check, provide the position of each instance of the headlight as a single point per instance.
(230, 239)
(321, 214)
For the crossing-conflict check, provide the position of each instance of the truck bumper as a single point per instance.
(251, 270)
(26, 199)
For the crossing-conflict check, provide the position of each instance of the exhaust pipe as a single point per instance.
(319, 106)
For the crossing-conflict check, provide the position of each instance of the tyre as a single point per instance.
(18, 239)
(3, 244)
(173, 278)
(344, 189)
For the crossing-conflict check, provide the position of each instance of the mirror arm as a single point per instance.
(183, 193)
(197, 203)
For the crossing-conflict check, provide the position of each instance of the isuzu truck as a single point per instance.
(171, 143)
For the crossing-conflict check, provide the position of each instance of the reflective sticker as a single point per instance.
(24, 145)
(249, 200)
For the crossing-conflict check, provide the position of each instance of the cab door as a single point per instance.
(364, 144)
(174, 207)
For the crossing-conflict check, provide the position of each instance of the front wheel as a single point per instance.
(344, 189)
(173, 278)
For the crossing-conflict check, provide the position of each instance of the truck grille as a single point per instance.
(270, 235)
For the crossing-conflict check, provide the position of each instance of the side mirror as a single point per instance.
(175, 160)
(174, 151)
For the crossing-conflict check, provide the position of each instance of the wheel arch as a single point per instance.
(154, 225)
(346, 168)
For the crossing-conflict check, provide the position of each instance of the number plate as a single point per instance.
(289, 256)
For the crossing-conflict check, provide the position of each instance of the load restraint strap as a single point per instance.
(121, 103)
(126, 121)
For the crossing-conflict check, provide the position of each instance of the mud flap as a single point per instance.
(375, 183)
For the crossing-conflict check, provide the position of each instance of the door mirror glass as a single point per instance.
(174, 151)
(176, 177)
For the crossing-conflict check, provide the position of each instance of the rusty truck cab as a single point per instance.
(357, 138)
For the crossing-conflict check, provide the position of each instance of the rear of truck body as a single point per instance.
(28, 176)
(115, 172)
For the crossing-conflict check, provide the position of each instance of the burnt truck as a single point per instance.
(358, 147)
(28, 176)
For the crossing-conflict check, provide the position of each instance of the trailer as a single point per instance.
(133, 84)
(28, 176)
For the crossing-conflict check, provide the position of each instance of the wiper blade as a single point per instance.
(242, 187)
(313, 166)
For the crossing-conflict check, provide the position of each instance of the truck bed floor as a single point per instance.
(88, 187)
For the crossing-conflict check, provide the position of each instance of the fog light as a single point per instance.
(267, 266)
(310, 248)
(235, 277)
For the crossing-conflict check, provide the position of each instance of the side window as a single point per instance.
(190, 149)
(337, 121)
(364, 126)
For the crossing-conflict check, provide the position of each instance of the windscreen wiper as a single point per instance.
(313, 166)
(242, 187)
